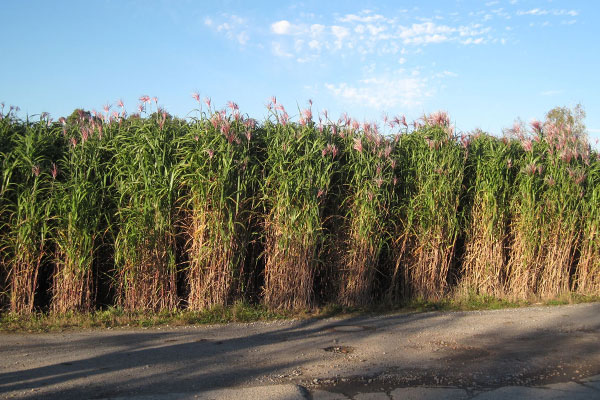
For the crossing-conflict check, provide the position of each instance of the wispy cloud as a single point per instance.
(399, 39)
(366, 33)
(380, 93)
(550, 92)
(554, 12)
(445, 74)
(398, 89)
(233, 27)
(279, 52)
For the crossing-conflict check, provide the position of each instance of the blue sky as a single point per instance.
(485, 62)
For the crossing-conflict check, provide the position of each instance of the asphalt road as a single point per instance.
(543, 352)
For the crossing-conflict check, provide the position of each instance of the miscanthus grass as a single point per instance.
(546, 214)
(491, 169)
(8, 130)
(145, 181)
(299, 164)
(587, 276)
(435, 164)
(219, 172)
(526, 216)
(82, 212)
(567, 157)
(151, 213)
(369, 171)
(28, 195)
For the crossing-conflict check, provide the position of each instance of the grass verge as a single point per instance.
(244, 312)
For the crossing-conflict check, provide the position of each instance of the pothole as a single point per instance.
(339, 349)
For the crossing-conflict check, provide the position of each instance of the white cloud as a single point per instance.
(339, 32)
(444, 74)
(316, 29)
(365, 33)
(500, 12)
(282, 27)
(533, 11)
(242, 37)
(540, 11)
(298, 43)
(279, 51)
(233, 27)
(314, 44)
(362, 18)
(473, 41)
(384, 92)
(375, 30)
(427, 32)
(361, 34)
(550, 92)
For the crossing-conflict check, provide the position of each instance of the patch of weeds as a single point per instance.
(581, 298)
(244, 312)
(556, 302)
(572, 298)
(422, 305)
(475, 301)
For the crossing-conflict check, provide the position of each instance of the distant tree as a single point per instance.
(569, 117)
(159, 114)
(134, 117)
(77, 115)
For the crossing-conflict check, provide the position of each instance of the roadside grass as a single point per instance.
(114, 317)
(241, 312)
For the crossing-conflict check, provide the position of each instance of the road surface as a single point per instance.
(543, 352)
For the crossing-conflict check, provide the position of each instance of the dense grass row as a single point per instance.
(157, 213)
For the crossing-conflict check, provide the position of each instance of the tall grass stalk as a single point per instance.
(490, 184)
(546, 211)
(29, 187)
(587, 275)
(9, 129)
(144, 174)
(220, 173)
(565, 174)
(434, 177)
(299, 164)
(81, 214)
(525, 256)
(369, 171)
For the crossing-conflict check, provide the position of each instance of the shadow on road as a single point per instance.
(459, 349)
